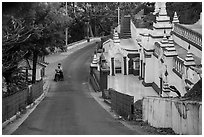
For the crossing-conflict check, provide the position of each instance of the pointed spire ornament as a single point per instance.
(95, 60)
(171, 41)
(166, 72)
(156, 9)
(175, 19)
(189, 60)
(162, 11)
(170, 48)
(166, 89)
(164, 40)
(189, 47)
(116, 38)
(162, 21)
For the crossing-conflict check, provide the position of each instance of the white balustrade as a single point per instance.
(188, 35)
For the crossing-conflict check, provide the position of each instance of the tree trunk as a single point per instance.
(35, 58)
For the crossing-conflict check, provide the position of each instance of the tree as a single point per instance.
(101, 16)
(28, 28)
(188, 12)
(14, 35)
(51, 21)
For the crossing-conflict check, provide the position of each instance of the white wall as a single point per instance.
(184, 117)
(193, 76)
(176, 81)
(149, 70)
(173, 79)
(157, 68)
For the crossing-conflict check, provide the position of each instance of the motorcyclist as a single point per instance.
(59, 72)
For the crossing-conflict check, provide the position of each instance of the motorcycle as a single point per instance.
(58, 76)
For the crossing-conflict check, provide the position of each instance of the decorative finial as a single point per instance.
(166, 72)
(189, 46)
(171, 39)
(164, 40)
(164, 33)
(189, 60)
(163, 9)
(175, 18)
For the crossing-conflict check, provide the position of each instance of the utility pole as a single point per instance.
(119, 14)
(74, 6)
(88, 18)
(66, 28)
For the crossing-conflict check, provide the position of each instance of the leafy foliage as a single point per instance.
(15, 34)
(28, 28)
(188, 12)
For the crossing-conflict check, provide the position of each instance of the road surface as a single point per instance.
(68, 108)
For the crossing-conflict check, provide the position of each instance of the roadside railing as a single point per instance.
(11, 105)
(122, 103)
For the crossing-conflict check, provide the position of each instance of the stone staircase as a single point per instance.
(125, 27)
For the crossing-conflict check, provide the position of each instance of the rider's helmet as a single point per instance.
(59, 66)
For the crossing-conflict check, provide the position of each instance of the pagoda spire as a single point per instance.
(163, 9)
(170, 49)
(189, 60)
(157, 8)
(175, 19)
(162, 22)
(164, 40)
(116, 38)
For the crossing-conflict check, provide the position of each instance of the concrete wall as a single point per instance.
(158, 69)
(173, 78)
(149, 70)
(184, 117)
(176, 81)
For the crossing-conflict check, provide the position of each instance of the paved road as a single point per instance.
(69, 108)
